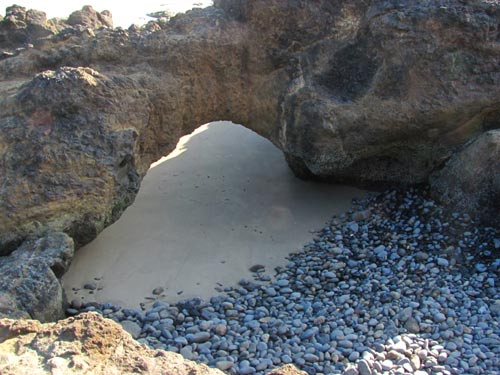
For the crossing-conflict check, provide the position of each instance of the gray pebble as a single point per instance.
(90, 286)
(224, 365)
(131, 327)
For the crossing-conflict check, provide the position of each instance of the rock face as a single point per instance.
(374, 93)
(470, 180)
(89, 344)
(29, 285)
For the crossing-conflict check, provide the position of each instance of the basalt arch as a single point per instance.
(352, 91)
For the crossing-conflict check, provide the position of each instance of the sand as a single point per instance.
(222, 202)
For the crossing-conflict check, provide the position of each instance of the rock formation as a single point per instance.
(470, 180)
(377, 93)
(29, 285)
(89, 344)
(21, 27)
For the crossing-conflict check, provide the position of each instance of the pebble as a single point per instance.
(351, 371)
(354, 356)
(131, 327)
(309, 333)
(439, 317)
(200, 337)
(224, 365)
(77, 303)
(158, 290)
(90, 286)
(406, 314)
(412, 325)
(364, 367)
(397, 279)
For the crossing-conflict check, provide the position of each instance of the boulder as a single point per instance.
(30, 285)
(88, 344)
(89, 17)
(95, 177)
(470, 180)
(21, 27)
(85, 344)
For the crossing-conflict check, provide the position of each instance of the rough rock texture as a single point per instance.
(88, 17)
(287, 370)
(379, 92)
(376, 92)
(22, 27)
(88, 344)
(29, 282)
(83, 345)
(470, 180)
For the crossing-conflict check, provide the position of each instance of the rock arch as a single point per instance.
(353, 91)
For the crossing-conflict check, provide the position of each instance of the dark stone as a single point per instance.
(30, 285)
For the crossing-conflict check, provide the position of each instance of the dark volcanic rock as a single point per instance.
(89, 17)
(471, 178)
(22, 27)
(29, 285)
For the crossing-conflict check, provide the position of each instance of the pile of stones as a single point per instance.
(398, 285)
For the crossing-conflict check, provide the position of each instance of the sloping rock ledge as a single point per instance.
(89, 344)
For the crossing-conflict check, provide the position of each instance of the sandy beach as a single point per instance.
(221, 203)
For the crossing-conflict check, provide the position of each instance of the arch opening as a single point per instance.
(222, 202)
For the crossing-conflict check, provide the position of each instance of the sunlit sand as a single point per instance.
(222, 202)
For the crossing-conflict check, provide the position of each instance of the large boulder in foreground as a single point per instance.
(88, 344)
(30, 286)
(374, 93)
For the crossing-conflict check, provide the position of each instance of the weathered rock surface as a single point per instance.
(470, 180)
(89, 17)
(88, 344)
(375, 92)
(22, 27)
(83, 345)
(29, 282)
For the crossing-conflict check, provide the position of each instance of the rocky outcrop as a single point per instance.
(22, 28)
(373, 93)
(89, 17)
(29, 282)
(89, 344)
(82, 345)
(470, 180)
